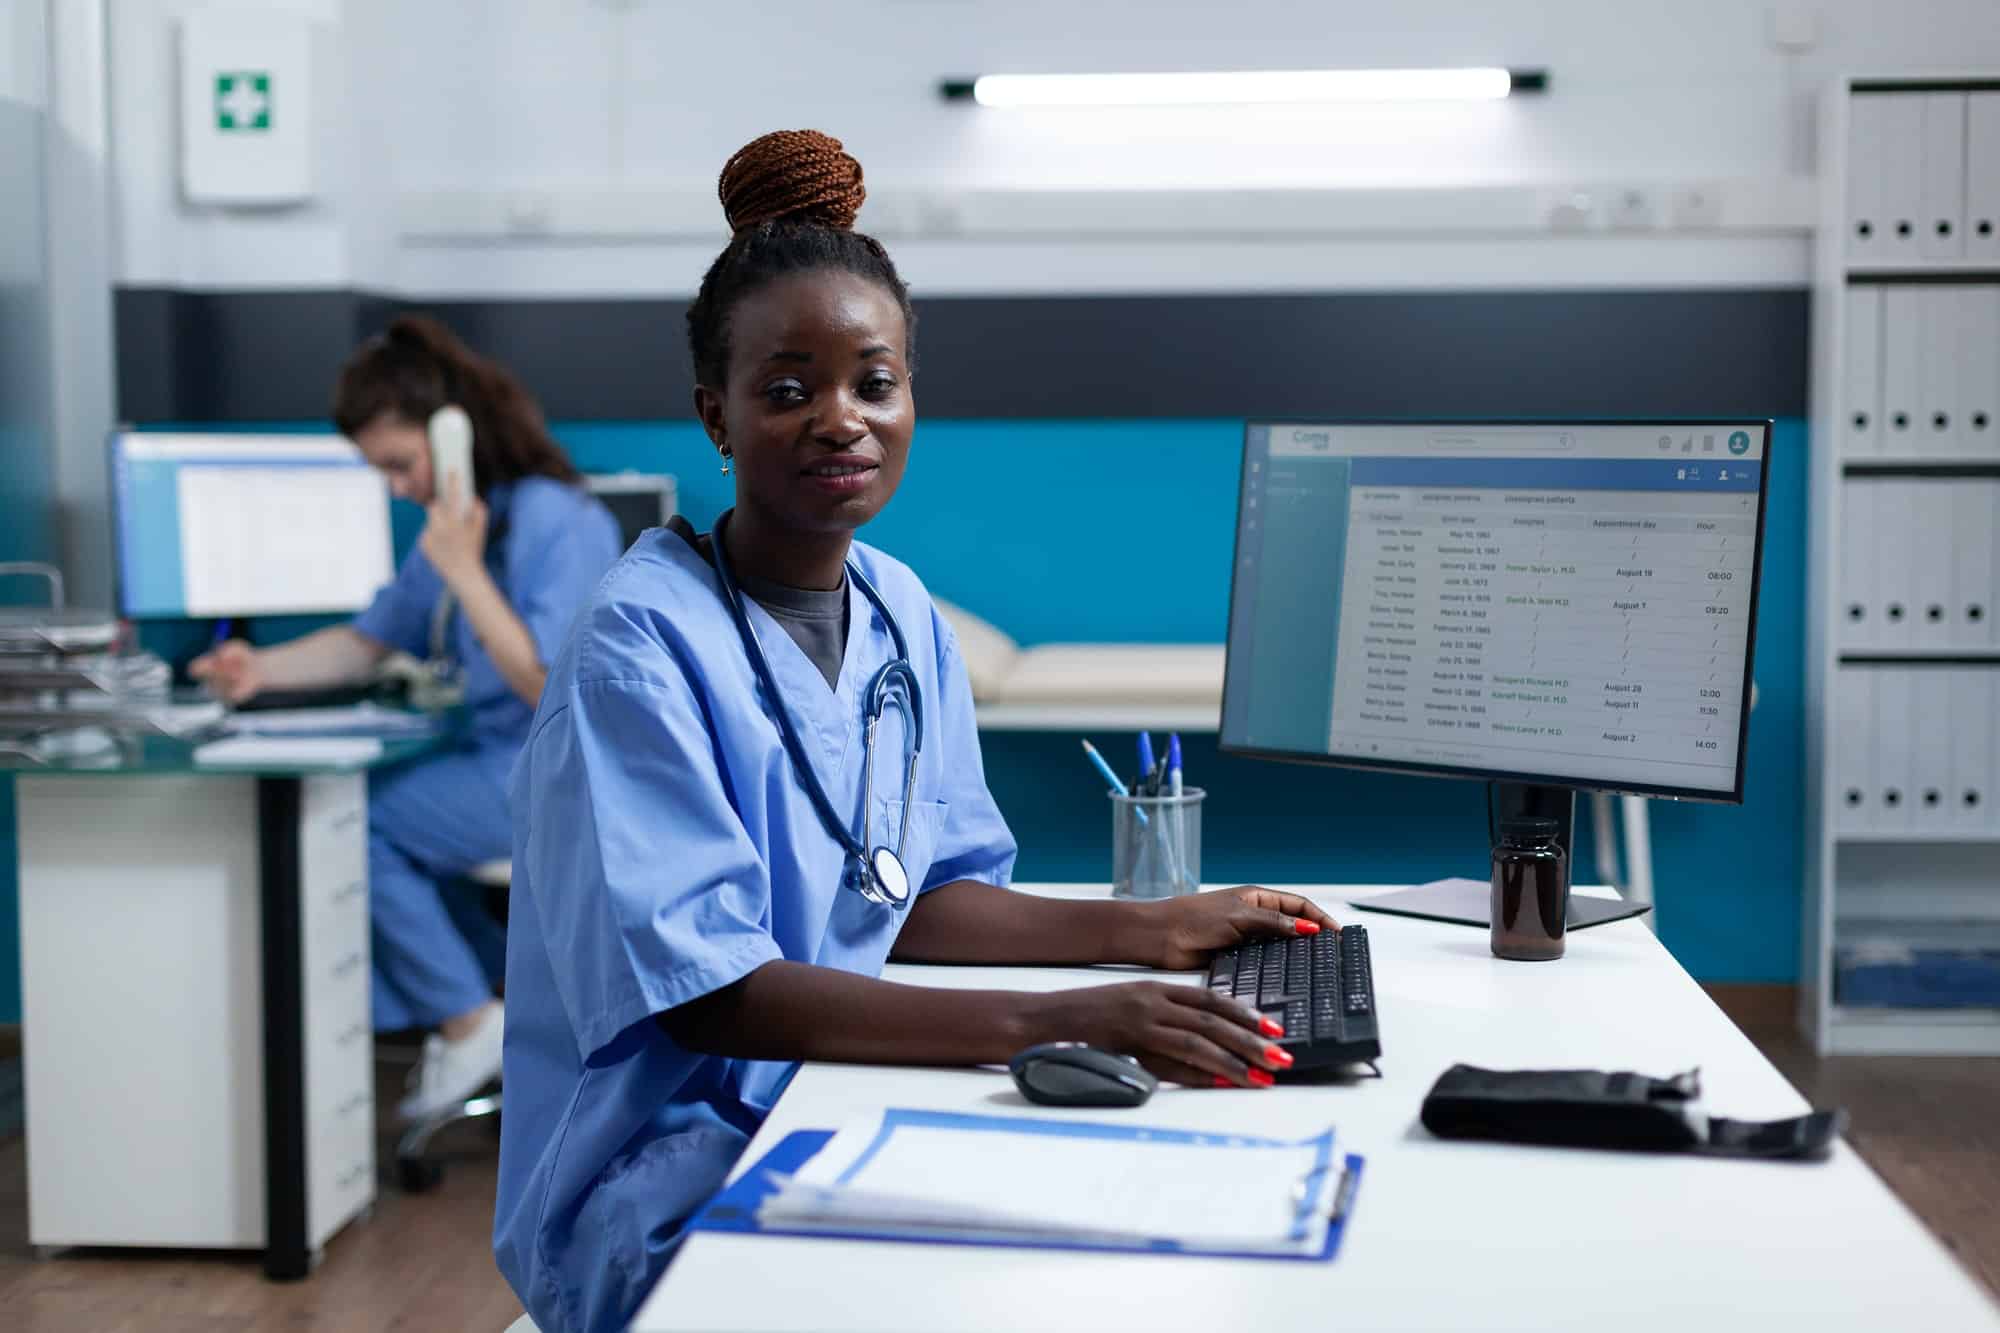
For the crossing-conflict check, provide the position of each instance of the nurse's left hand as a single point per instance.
(454, 539)
(1190, 928)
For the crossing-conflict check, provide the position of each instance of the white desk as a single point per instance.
(194, 995)
(1445, 1235)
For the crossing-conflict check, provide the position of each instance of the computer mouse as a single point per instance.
(1074, 1073)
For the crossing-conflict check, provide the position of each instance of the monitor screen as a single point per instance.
(1566, 603)
(637, 500)
(238, 525)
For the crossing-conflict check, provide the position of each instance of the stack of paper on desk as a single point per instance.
(362, 719)
(289, 752)
(904, 1174)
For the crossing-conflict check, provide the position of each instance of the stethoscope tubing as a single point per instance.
(874, 699)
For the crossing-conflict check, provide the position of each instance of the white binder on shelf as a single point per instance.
(1861, 430)
(1860, 615)
(1931, 770)
(1902, 148)
(1943, 182)
(1902, 370)
(1982, 176)
(1973, 701)
(1865, 125)
(1992, 616)
(1855, 793)
(1895, 564)
(1894, 740)
(1933, 611)
(1979, 367)
(1973, 502)
(1937, 370)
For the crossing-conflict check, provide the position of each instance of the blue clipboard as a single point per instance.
(735, 1210)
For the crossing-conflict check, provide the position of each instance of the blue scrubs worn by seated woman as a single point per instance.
(664, 849)
(436, 819)
(710, 872)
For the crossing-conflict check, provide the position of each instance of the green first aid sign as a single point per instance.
(243, 100)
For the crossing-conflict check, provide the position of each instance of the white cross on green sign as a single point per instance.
(243, 100)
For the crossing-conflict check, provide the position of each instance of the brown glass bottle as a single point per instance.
(1530, 891)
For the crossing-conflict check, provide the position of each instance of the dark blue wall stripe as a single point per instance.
(207, 356)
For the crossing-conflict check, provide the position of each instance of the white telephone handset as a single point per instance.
(450, 432)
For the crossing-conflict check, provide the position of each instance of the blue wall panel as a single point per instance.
(1122, 531)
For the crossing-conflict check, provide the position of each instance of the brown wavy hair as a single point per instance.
(417, 365)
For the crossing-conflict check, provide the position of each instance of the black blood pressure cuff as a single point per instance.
(1587, 1108)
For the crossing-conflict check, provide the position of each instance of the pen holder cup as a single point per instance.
(1156, 844)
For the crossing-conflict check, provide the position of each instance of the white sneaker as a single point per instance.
(452, 1071)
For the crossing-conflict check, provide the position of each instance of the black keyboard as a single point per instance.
(1321, 987)
(331, 696)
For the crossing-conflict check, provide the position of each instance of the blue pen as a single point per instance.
(1090, 752)
(1145, 756)
(221, 633)
(1174, 789)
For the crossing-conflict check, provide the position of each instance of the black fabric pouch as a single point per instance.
(1588, 1108)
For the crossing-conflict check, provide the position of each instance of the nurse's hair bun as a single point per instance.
(796, 175)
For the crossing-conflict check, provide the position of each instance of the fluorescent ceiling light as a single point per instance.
(1244, 86)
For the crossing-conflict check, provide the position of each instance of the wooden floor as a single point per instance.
(420, 1263)
(1931, 1127)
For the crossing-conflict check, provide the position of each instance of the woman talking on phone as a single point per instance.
(491, 587)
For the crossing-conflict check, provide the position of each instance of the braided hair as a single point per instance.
(791, 198)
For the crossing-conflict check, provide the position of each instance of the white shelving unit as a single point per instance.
(1903, 654)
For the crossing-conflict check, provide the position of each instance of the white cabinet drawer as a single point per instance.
(341, 1175)
(340, 1052)
(335, 954)
(334, 803)
(333, 845)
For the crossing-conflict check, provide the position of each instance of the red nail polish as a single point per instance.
(1222, 1082)
(1261, 1079)
(1305, 927)
(1270, 1026)
(1278, 1056)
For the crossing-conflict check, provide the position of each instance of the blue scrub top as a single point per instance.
(663, 849)
(555, 542)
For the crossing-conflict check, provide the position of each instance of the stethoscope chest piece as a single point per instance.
(890, 877)
(880, 878)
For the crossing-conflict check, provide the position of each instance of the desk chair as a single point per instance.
(416, 1171)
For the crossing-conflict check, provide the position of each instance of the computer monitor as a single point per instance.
(239, 525)
(638, 500)
(1543, 605)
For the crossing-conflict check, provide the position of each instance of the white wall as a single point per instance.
(539, 103)
(163, 242)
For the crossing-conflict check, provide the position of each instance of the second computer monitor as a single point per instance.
(1565, 603)
(244, 525)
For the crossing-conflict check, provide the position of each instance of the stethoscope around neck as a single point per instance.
(878, 874)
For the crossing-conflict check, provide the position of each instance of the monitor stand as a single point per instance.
(1467, 902)
(1505, 800)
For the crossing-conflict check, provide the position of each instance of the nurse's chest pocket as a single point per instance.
(926, 823)
(861, 932)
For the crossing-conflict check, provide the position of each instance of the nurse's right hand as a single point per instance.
(1187, 1034)
(230, 671)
